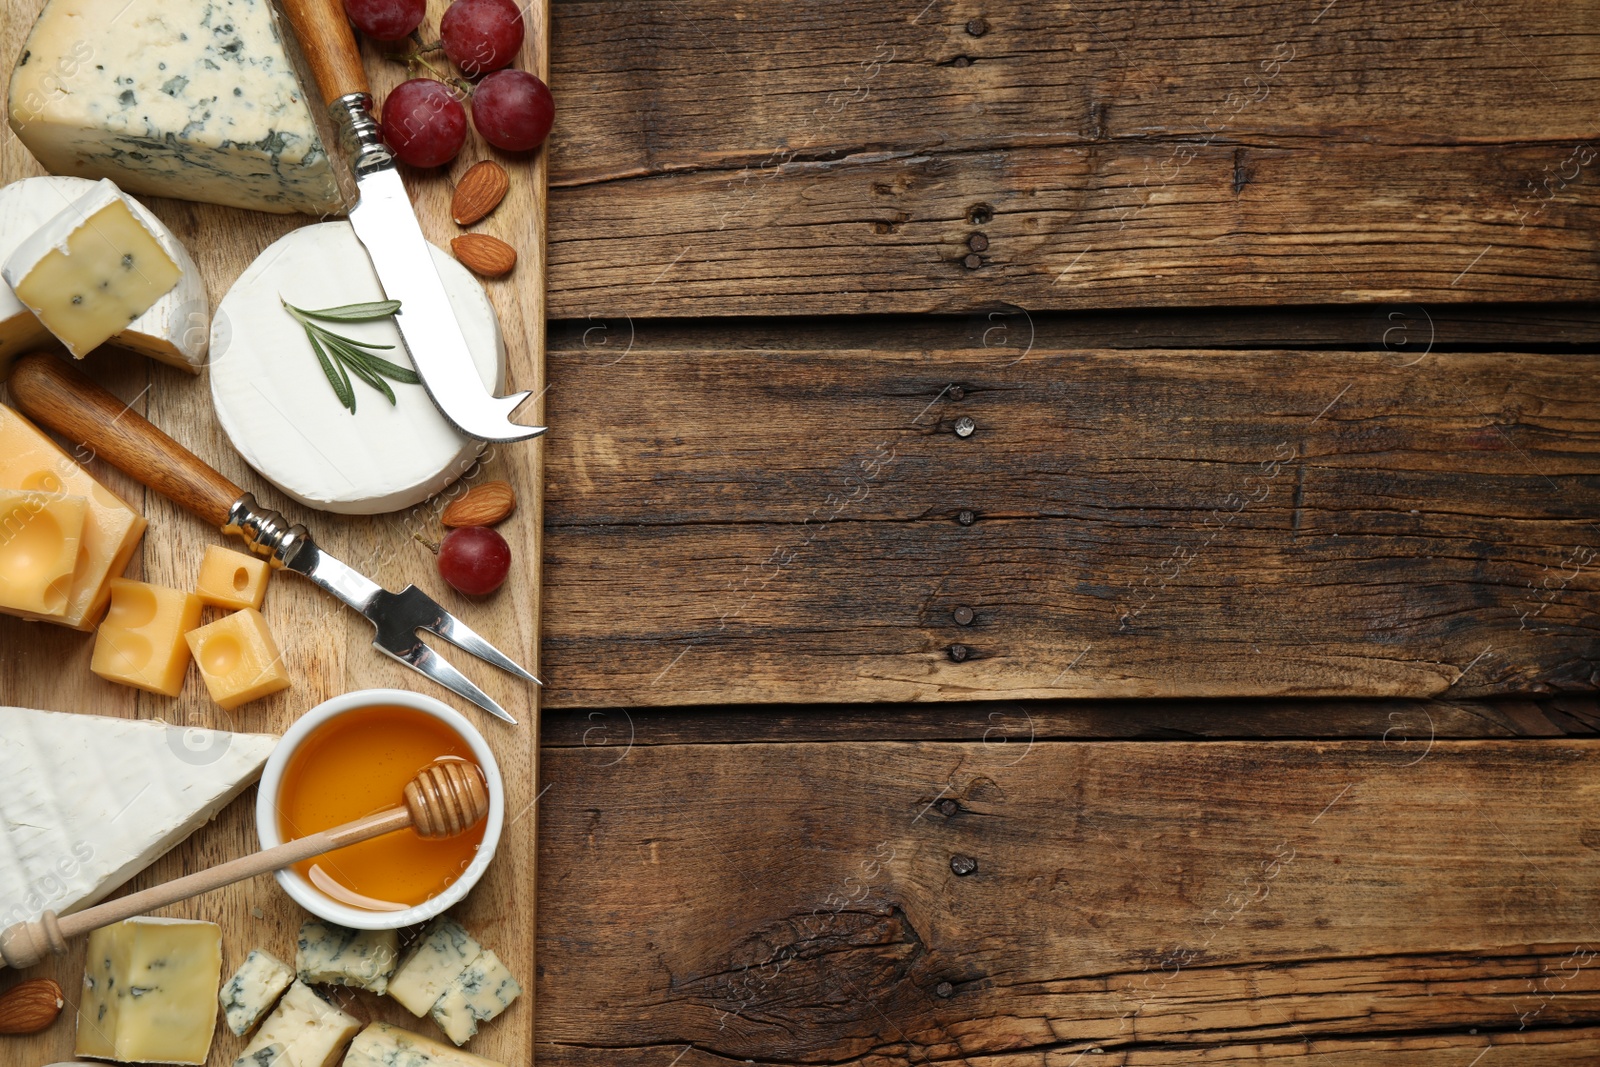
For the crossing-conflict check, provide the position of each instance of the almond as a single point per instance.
(30, 1007)
(483, 505)
(485, 255)
(482, 188)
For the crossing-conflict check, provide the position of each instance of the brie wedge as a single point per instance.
(91, 800)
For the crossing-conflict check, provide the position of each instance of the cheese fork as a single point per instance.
(53, 394)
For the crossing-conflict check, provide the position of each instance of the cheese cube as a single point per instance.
(481, 992)
(91, 270)
(150, 990)
(230, 579)
(111, 529)
(305, 1031)
(141, 643)
(40, 538)
(252, 991)
(238, 658)
(437, 959)
(333, 955)
(382, 1045)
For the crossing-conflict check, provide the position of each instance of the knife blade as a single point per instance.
(386, 224)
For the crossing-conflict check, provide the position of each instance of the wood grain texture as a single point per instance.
(1390, 901)
(329, 46)
(786, 524)
(326, 647)
(774, 158)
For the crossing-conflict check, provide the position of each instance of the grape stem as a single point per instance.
(414, 59)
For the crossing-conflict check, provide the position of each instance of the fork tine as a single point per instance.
(466, 638)
(426, 661)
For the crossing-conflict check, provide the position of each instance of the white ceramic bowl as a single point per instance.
(319, 903)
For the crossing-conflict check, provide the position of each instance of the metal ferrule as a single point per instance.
(359, 134)
(266, 531)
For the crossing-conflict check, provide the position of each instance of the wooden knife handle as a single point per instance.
(53, 394)
(329, 46)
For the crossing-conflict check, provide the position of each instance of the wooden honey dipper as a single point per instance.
(445, 799)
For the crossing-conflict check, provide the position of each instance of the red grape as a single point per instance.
(513, 110)
(481, 35)
(423, 122)
(385, 20)
(474, 560)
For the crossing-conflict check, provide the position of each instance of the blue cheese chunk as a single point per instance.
(382, 1045)
(332, 955)
(481, 992)
(253, 990)
(304, 1031)
(444, 951)
(194, 100)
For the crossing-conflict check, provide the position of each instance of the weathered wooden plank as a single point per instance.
(769, 526)
(861, 157)
(1217, 902)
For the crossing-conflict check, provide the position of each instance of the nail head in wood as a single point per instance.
(963, 865)
(966, 518)
(973, 261)
(964, 426)
(978, 242)
(948, 807)
(944, 989)
(977, 27)
(958, 652)
(956, 392)
(963, 615)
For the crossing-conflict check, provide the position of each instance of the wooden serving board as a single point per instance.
(325, 646)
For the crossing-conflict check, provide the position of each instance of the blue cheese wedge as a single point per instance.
(194, 100)
(304, 1031)
(253, 990)
(175, 329)
(332, 955)
(149, 986)
(92, 270)
(444, 951)
(481, 992)
(382, 1045)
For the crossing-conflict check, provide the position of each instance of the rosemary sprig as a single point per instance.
(342, 356)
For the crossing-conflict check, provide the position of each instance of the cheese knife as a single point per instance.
(386, 223)
(53, 394)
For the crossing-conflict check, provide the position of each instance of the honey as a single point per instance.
(354, 765)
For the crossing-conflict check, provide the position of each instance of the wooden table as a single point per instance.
(1071, 535)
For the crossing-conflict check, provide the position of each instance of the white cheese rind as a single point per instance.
(439, 956)
(276, 406)
(91, 800)
(479, 993)
(382, 1045)
(304, 1031)
(175, 330)
(252, 991)
(326, 954)
(197, 100)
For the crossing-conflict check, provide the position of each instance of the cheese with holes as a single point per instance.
(92, 270)
(230, 579)
(382, 1045)
(252, 991)
(444, 950)
(274, 402)
(91, 800)
(111, 529)
(479, 993)
(39, 538)
(175, 329)
(304, 1031)
(142, 643)
(332, 955)
(150, 991)
(195, 100)
(238, 659)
